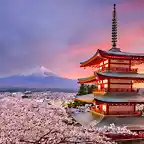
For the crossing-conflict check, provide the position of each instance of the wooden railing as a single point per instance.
(135, 70)
(132, 70)
(96, 91)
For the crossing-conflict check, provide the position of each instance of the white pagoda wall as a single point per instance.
(119, 109)
(119, 61)
(120, 85)
(118, 66)
(120, 81)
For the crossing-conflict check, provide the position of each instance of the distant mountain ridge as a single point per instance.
(39, 71)
(39, 77)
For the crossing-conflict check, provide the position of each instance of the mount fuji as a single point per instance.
(39, 77)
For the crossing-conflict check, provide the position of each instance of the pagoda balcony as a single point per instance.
(132, 70)
(96, 91)
(135, 70)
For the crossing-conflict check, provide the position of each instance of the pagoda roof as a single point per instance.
(96, 59)
(87, 79)
(85, 98)
(133, 122)
(120, 54)
(112, 53)
(120, 75)
(121, 97)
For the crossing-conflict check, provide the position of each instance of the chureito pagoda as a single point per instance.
(114, 76)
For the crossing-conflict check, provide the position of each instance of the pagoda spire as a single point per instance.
(114, 27)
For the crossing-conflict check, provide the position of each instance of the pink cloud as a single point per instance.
(71, 57)
(131, 5)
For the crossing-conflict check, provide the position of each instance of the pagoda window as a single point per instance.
(101, 63)
(99, 87)
(105, 85)
(104, 108)
(105, 81)
(106, 65)
(106, 61)
(97, 106)
(100, 82)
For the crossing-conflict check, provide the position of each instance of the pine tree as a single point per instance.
(82, 90)
(89, 89)
(86, 89)
(93, 86)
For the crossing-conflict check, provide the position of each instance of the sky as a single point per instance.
(59, 34)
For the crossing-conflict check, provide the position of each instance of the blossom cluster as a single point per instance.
(24, 121)
(56, 96)
(112, 129)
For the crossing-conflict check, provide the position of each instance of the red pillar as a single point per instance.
(107, 108)
(130, 70)
(108, 79)
(108, 64)
(108, 85)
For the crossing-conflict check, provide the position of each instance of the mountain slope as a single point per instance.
(40, 78)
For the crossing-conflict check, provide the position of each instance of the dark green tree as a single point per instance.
(93, 86)
(90, 88)
(82, 90)
(86, 89)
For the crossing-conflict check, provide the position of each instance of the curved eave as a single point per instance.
(109, 54)
(85, 98)
(87, 101)
(96, 59)
(121, 76)
(87, 80)
(92, 60)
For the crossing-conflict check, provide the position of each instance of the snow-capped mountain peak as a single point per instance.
(38, 77)
(39, 71)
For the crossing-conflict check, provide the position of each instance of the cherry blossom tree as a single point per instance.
(112, 129)
(58, 98)
(28, 121)
(115, 132)
(25, 121)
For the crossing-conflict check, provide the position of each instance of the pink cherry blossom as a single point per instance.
(41, 120)
(26, 120)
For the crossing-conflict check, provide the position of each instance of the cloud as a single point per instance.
(131, 5)
(33, 31)
(60, 34)
(130, 40)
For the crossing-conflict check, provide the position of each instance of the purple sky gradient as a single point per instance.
(59, 34)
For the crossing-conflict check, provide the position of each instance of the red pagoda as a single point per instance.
(114, 76)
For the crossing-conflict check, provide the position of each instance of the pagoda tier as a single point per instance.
(119, 98)
(114, 98)
(117, 75)
(135, 58)
(120, 104)
(113, 81)
(114, 76)
(117, 81)
(91, 79)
